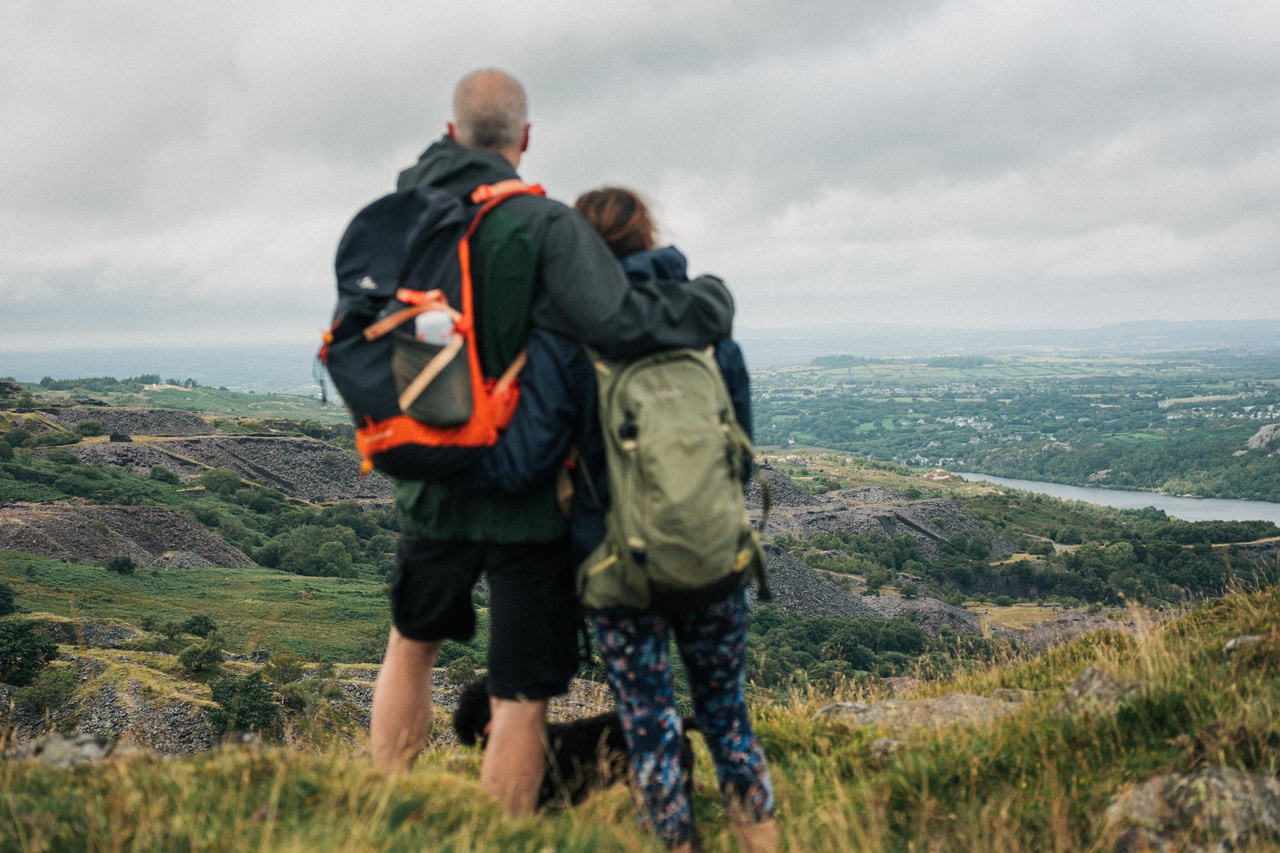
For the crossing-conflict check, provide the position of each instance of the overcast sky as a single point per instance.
(179, 171)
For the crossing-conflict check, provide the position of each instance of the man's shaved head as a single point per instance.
(490, 112)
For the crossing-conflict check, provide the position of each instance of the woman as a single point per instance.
(558, 411)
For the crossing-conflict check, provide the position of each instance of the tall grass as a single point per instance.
(1037, 780)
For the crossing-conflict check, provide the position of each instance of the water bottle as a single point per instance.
(434, 327)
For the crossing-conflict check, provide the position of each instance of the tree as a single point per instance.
(88, 427)
(203, 657)
(6, 451)
(6, 599)
(245, 703)
(121, 564)
(24, 651)
(313, 428)
(200, 625)
(51, 689)
(284, 669)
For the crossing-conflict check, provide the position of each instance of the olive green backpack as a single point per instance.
(677, 535)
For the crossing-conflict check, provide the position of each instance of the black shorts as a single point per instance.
(533, 611)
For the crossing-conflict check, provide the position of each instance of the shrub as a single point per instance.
(245, 703)
(206, 515)
(878, 577)
(6, 451)
(121, 564)
(203, 657)
(221, 481)
(909, 589)
(63, 457)
(54, 438)
(462, 670)
(18, 437)
(161, 474)
(200, 625)
(7, 605)
(24, 651)
(48, 691)
(284, 669)
(88, 427)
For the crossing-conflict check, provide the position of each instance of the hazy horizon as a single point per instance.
(288, 365)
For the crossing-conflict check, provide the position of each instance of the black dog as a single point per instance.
(583, 755)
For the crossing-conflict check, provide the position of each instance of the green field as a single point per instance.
(334, 619)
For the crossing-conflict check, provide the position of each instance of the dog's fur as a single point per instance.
(583, 755)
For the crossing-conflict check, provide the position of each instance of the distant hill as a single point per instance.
(290, 367)
(779, 346)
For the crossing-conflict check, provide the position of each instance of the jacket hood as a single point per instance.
(666, 263)
(448, 166)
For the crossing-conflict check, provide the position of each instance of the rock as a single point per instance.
(883, 747)
(903, 715)
(1264, 437)
(86, 632)
(901, 683)
(91, 534)
(299, 467)
(1096, 692)
(1009, 694)
(801, 589)
(72, 750)
(927, 521)
(782, 491)
(1214, 809)
(1235, 644)
(258, 656)
(134, 421)
(173, 728)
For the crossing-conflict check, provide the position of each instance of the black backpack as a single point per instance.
(422, 407)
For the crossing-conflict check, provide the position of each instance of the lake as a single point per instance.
(1186, 509)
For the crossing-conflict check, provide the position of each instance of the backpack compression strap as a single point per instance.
(500, 395)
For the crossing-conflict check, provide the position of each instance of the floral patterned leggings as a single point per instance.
(713, 644)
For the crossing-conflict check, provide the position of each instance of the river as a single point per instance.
(1186, 509)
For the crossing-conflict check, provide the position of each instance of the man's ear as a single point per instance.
(524, 139)
(452, 132)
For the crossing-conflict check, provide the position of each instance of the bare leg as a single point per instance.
(759, 837)
(400, 719)
(515, 759)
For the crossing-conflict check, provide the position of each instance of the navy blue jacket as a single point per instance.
(558, 411)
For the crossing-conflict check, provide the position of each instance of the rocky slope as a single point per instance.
(303, 468)
(151, 535)
(133, 421)
(141, 697)
(799, 589)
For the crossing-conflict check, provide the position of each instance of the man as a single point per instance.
(534, 262)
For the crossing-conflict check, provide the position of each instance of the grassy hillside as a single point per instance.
(1039, 779)
(191, 398)
(334, 619)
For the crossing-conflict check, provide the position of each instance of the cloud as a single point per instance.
(979, 162)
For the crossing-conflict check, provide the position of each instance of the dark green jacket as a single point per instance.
(536, 262)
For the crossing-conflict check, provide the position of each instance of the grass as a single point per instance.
(1037, 780)
(335, 619)
(1019, 617)
(204, 399)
